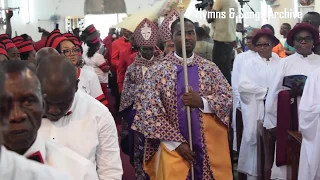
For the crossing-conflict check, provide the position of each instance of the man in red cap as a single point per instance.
(121, 44)
(108, 43)
(27, 51)
(12, 50)
(146, 36)
(126, 58)
(3, 53)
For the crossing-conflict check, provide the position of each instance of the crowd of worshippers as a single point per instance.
(56, 122)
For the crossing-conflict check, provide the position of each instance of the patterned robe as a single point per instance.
(128, 105)
(162, 114)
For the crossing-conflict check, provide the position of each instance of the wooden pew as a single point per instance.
(265, 145)
(293, 154)
(239, 128)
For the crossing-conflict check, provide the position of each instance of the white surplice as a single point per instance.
(256, 77)
(236, 72)
(89, 130)
(295, 64)
(63, 159)
(309, 122)
(16, 167)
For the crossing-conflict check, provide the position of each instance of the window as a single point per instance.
(103, 22)
(265, 10)
(304, 9)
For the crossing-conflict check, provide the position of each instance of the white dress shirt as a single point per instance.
(89, 130)
(63, 159)
(16, 167)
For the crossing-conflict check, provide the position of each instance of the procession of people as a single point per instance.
(176, 104)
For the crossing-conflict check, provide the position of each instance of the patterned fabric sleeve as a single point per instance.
(151, 119)
(128, 92)
(221, 98)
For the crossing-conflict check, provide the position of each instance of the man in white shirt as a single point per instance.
(236, 72)
(88, 81)
(309, 111)
(12, 165)
(25, 120)
(76, 120)
(45, 52)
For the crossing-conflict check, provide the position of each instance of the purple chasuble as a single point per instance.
(195, 115)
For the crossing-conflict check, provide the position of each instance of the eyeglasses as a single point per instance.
(263, 45)
(307, 39)
(68, 52)
(248, 37)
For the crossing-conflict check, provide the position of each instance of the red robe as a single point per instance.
(40, 44)
(126, 58)
(108, 44)
(118, 45)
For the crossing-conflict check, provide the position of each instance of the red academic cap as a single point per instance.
(67, 35)
(56, 31)
(25, 46)
(75, 41)
(40, 44)
(299, 27)
(3, 49)
(4, 36)
(8, 43)
(54, 40)
(18, 39)
(91, 29)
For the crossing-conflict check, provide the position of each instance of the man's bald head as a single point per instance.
(44, 53)
(59, 84)
(57, 70)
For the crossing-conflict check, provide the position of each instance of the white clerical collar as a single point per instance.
(38, 146)
(301, 56)
(189, 60)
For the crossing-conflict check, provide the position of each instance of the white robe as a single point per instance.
(295, 64)
(236, 72)
(256, 77)
(309, 122)
(63, 159)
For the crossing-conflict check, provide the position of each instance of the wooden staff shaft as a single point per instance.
(185, 68)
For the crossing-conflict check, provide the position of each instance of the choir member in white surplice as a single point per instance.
(255, 79)
(236, 72)
(309, 122)
(301, 37)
